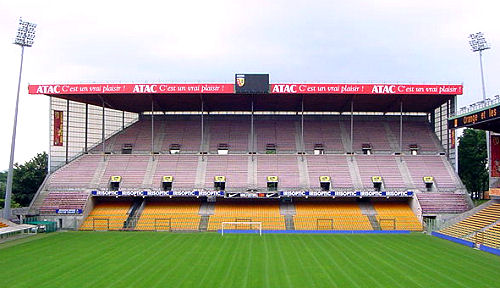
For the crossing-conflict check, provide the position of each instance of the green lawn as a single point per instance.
(162, 259)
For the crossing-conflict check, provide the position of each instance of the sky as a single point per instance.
(330, 41)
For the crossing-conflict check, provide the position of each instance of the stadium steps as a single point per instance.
(345, 136)
(354, 171)
(201, 171)
(393, 140)
(287, 208)
(303, 172)
(203, 223)
(134, 213)
(289, 225)
(252, 172)
(369, 211)
(405, 172)
(159, 137)
(451, 171)
(99, 172)
(207, 208)
(374, 222)
(150, 172)
(299, 142)
(205, 145)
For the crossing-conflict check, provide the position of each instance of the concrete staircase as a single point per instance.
(287, 209)
(368, 210)
(99, 172)
(150, 172)
(134, 214)
(354, 172)
(207, 209)
(393, 140)
(203, 223)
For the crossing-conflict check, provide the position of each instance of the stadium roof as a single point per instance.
(281, 97)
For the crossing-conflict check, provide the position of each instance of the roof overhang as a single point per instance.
(281, 97)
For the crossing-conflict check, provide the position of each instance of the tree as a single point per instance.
(28, 177)
(472, 160)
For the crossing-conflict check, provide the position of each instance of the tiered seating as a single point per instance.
(234, 167)
(279, 132)
(187, 133)
(322, 132)
(369, 132)
(138, 135)
(283, 166)
(334, 166)
(489, 237)
(235, 133)
(247, 211)
(76, 174)
(63, 200)
(420, 166)
(416, 132)
(132, 168)
(475, 222)
(329, 215)
(107, 216)
(182, 167)
(437, 203)
(170, 215)
(378, 165)
(402, 214)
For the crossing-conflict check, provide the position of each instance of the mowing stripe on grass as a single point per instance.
(149, 259)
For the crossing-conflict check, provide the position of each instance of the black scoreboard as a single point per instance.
(252, 83)
(469, 120)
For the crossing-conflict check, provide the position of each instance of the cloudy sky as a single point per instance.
(189, 41)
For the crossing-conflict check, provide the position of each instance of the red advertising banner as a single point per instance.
(495, 155)
(367, 89)
(131, 89)
(58, 128)
(229, 89)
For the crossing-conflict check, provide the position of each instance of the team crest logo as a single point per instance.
(240, 80)
(496, 140)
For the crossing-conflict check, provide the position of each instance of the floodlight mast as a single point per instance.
(25, 38)
(478, 44)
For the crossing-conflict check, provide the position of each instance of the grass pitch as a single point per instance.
(149, 259)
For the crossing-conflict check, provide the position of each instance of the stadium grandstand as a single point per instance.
(479, 227)
(166, 157)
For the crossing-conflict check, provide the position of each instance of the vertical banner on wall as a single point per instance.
(58, 128)
(495, 155)
(452, 135)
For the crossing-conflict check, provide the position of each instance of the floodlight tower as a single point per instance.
(24, 38)
(478, 44)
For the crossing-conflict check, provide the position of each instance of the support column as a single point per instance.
(86, 126)
(67, 130)
(401, 127)
(252, 137)
(152, 128)
(447, 130)
(103, 139)
(302, 129)
(352, 124)
(202, 146)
